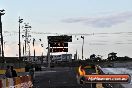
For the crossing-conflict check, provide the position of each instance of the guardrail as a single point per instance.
(16, 82)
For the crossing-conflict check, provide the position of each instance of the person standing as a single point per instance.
(31, 73)
(14, 74)
(8, 72)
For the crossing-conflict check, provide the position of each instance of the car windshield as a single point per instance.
(89, 71)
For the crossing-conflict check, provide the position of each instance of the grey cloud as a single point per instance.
(102, 21)
(97, 44)
(123, 43)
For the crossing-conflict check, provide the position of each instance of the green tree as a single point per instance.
(112, 56)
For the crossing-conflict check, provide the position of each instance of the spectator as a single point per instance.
(14, 74)
(8, 73)
(31, 73)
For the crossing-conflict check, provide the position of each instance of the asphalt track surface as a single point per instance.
(58, 78)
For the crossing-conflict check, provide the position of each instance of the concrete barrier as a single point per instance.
(3, 83)
(16, 82)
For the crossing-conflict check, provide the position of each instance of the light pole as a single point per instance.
(42, 59)
(48, 55)
(20, 21)
(34, 48)
(2, 13)
(27, 40)
(82, 46)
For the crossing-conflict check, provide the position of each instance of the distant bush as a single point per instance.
(109, 65)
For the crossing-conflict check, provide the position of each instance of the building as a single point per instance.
(61, 58)
(53, 58)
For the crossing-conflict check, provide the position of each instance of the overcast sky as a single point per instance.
(109, 20)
